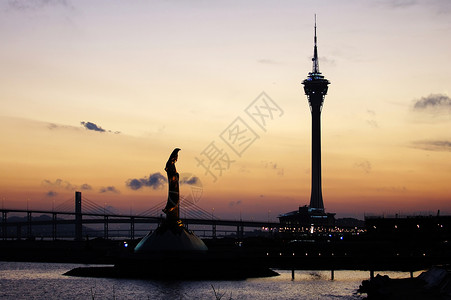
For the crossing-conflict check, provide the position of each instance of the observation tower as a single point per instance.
(315, 87)
(313, 218)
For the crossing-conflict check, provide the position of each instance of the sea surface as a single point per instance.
(22, 280)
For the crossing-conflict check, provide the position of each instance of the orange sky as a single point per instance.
(149, 77)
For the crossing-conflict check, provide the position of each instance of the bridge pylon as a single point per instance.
(78, 216)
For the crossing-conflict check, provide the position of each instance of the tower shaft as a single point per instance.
(316, 197)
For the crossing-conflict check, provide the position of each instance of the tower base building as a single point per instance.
(305, 219)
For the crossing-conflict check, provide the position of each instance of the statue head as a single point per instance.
(174, 155)
(172, 159)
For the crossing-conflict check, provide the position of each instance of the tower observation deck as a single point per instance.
(315, 87)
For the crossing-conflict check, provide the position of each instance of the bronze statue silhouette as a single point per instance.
(172, 209)
(171, 235)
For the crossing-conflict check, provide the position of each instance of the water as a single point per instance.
(21, 280)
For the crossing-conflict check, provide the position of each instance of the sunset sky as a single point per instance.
(95, 95)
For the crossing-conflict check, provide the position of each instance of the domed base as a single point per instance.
(170, 238)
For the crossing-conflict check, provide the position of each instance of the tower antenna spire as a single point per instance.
(315, 53)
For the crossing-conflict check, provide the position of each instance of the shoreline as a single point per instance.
(319, 256)
(433, 284)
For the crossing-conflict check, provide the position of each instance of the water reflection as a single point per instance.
(45, 281)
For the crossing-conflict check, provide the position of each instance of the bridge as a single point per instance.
(77, 222)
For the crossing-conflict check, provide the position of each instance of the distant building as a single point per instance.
(412, 228)
(305, 219)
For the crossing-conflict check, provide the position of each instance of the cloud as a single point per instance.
(65, 185)
(392, 189)
(110, 189)
(322, 60)
(372, 123)
(85, 187)
(433, 145)
(235, 203)
(364, 165)
(134, 184)
(87, 125)
(267, 61)
(51, 194)
(59, 183)
(273, 166)
(53, 126)
(433, 102)
(155, 181)
(401, 3)
(92, 126)
(371, 118)
(34, 5)
(439, 6)
(95, 127)
(189, 179)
